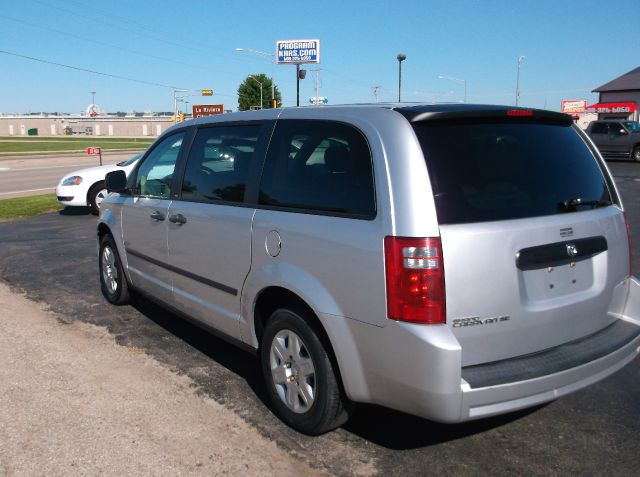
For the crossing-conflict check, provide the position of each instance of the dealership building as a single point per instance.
(617, 99)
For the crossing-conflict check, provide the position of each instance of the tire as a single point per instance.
(299, 375)
(113, 281)
(635, 155)
(96, 195)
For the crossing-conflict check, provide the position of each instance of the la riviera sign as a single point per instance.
(201, 110)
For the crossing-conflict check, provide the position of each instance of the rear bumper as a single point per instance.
(483, 399)
(417, 369)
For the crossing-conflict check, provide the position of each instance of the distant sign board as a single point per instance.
(207, 92)
(574, 106)
(320, 100)
(626, 107)
(94, 151)
(298, 51)
(201, 110)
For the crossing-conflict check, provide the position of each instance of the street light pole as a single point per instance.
(401, 57)
(273, 62)
(253, 78)
(457, 80)
(520, 60)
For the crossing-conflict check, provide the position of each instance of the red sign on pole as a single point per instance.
(95, 151)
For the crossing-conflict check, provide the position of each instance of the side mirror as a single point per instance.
(623, 132)
(116, 181)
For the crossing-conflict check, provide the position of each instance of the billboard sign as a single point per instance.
(298, 51)
(574, 106)
(202, 110)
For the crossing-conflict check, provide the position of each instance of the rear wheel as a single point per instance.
(113, 281)
(96, 195)
(636, 154)
(300, 378)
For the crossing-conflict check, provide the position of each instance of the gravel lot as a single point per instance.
(73, 402)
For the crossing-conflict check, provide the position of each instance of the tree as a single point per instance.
(249, 92)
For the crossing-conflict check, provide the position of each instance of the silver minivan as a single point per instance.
(449, 261)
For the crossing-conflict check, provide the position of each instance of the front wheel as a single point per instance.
(300, 377)
(636, 154)
(96, 195)
(113, 281)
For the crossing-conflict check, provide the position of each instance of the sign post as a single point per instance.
(297, 52)
(95, 151)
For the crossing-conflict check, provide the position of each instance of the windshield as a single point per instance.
(130, 161)
(632, 126)
(485, 170)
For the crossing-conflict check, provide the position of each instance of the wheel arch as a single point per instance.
(108, 226)
(93, 188)
(272, 298)
(103, 229)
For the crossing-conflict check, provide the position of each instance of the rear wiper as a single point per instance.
(571, 204)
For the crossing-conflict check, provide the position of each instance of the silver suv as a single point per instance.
(452, 262)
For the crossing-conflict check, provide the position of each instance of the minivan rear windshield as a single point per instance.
(498, 170)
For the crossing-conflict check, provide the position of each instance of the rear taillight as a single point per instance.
(626, 222)
(415, 279)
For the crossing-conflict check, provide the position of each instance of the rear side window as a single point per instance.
(319, 166)
(499, 171)
(218, 164)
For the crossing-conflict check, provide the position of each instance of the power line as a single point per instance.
(86, 70)
(109, 45)
(116, 26)
(150, 33)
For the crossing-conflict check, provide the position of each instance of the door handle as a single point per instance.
(157, 215)
(177, 219)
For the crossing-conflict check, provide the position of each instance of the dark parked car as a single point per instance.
(616, 138)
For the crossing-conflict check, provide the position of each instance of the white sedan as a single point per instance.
(86, 188)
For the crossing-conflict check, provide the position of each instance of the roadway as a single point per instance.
(35, 175)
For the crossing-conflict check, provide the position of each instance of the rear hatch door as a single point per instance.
(533, 235)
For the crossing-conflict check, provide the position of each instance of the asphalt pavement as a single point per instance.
(53, 259)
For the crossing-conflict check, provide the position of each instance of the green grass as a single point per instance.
(10, 145)
(11, 209)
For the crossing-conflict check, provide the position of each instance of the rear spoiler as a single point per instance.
(480, 112)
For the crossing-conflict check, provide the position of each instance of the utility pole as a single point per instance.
(376, 91)
(520, 60)
(175, 102)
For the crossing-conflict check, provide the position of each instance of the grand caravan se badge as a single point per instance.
(477, 321)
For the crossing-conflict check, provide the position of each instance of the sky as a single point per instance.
(151, 47)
